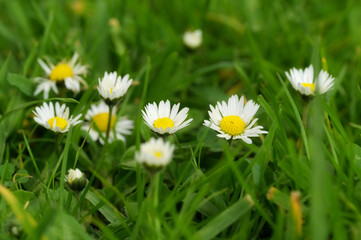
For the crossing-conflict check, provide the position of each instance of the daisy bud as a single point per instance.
(193, 39)
(76, 180)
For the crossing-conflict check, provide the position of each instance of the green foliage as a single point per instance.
(211, 189)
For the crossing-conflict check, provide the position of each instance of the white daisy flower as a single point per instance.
(193, 39)
(155, 154)
(302, 81)
(112, 87)
(68, 72)
(56, 119)
(233, 120)
(100, 114)
(75, 179)
(163, 119)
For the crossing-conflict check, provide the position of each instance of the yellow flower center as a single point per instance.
(163, 123)
(232, 125)
(101, 120)
(311, 85)
(60, 72)
(158, 154)
(59, 122)
(110, 90)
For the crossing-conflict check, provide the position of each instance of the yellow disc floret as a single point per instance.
(311, 85)
(232, 125)
(60, 72)
(163, 123)
(59, 122)
(101, 120)
(158, 154)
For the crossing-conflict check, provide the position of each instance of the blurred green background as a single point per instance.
(246, 44)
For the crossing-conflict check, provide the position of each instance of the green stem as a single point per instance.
(305, 114)
(109, 123)
(57, 141)
(154, 189)
(154, 201)
(78, 210)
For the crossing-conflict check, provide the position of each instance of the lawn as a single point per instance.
(298, 178)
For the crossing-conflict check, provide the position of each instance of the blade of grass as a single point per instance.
(298, 117)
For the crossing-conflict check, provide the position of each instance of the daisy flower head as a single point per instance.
(112, 87)
(193, 39)
(99, 114)
(67, 72)
(155, 154)
(233, 120)
(56, 119)
(76, 179)
(304, 82)
(164, 120)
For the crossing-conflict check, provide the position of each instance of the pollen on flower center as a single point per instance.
(59, 122)
(232, 125)
(311, 85)
(101, 120)
(163, 123)
(60, 72)
(158, 154)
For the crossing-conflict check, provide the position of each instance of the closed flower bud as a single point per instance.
(76, 180)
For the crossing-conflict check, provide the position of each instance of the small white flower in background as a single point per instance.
(193, 39)
(112, 87)
(68, 72)
(163, 119)
(99, 113)
(233, 120)
(155, 154)
(303, 81)
(75, 179)
(56, 119)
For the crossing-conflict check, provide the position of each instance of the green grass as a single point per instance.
(210, 190)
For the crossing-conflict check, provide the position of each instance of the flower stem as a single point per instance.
(154, 201)
(57, 144)
(109, 123)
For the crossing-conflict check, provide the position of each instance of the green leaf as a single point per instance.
(25, 85)
(223, 220)
(22, 176)
(107, 212)
(281, 199)
(58, 225)
(7, 170)
(24, 196)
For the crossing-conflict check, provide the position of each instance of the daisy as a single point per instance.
(56, 119)
(68, 72)
(193, 39)
(112, 87)
(75, 179)
(233, 120)
(155, 154)
(163, 119)
(100, 115)
(302, 81)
